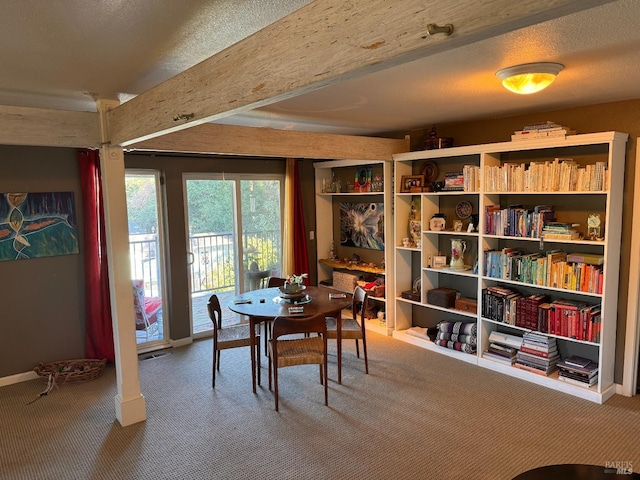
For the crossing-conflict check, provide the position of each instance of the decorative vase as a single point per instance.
(415, 229)
(458, 248)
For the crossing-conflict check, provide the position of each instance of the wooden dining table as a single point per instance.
(268, 303)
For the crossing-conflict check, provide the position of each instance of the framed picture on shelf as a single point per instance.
(362, 182)
(439, 261)
(411, 183)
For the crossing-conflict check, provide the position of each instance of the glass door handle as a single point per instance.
(190, 258)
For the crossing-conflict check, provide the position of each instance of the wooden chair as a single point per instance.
(232, 336)
(298, 351)
(272, 282)
(352, 327)
(276, 282)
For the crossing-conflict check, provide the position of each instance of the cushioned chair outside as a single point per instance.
(232, 336)
(289, 351)
(353, 326)
(146, 309)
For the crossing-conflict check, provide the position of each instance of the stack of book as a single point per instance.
(560, 231)
(503, 347)
(578, 371)
(538, 354)
(542, 130)
(454, 182)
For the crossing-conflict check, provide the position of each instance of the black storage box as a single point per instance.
(442, 297)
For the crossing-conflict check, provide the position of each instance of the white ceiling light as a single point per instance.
(529, 77)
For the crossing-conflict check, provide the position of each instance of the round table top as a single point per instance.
(267, 302)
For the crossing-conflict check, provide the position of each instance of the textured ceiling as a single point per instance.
(63, 54)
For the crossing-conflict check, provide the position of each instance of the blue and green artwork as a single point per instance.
(36, 225)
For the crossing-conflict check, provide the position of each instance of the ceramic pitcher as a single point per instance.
(458, 248)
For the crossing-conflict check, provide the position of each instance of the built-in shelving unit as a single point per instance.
(513, 164)
(373, 263)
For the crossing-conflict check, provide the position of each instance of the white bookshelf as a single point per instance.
(328, 230)
(570, 206)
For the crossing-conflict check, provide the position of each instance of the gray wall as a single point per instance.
(41, 299)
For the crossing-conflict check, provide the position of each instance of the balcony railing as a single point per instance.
(213, 263)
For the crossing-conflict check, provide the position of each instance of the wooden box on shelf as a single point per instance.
(411, 295)
(442, 297)
(467, 304)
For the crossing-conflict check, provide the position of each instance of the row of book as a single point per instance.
(559, 175)
(556, 269)
(517, 221)
(537, 312)
(471, 178)
(539, 354)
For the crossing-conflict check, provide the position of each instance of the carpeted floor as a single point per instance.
(417, 415)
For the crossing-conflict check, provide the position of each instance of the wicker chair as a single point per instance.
(352, 327)
(298, 351)
(232, 336)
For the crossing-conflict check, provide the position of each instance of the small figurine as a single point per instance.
(332, 252)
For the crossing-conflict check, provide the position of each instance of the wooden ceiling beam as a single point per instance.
(48, 128)
(267, 142)
(325, 42)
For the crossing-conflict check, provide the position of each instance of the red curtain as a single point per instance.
(300, 256)
(98, 326)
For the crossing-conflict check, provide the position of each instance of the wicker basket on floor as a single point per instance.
(72, 370)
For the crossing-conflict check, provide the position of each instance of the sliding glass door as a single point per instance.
(234, 239)
(146, 256)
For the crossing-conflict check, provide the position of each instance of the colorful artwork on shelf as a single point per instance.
(362, 225)
(362, 182)
(37, 225)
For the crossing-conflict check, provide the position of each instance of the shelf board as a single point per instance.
(449, 271)
(543, 287)
(588, 393)
(429, 345)
(522, 329)
(349, 194)
(549, 240)
(351, 266)
(442, 309)
(451, 232)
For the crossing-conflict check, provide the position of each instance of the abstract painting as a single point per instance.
(362, 225)
(36, 225)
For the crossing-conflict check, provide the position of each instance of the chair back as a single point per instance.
(285, 325)
(359, 301)
(215, 312)
(276, 282)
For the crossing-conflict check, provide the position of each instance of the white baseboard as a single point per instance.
(181, 342)
(17, 378)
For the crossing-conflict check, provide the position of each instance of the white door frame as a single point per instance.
(632, 337)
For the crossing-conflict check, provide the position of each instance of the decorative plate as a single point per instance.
(464, 209)
(430, 171)
(417, 285)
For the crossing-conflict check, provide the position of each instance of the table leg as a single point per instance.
(339, 341)
(252, 327)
